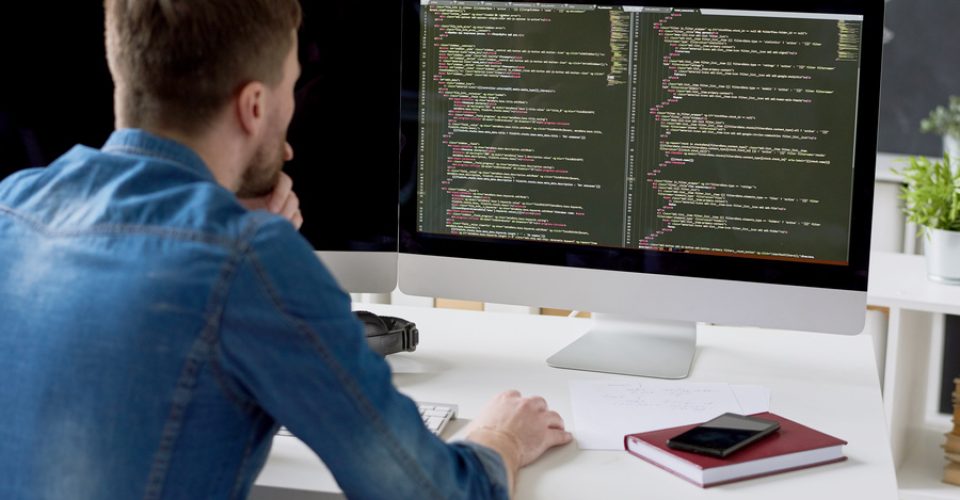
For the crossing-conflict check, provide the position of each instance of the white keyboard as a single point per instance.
(435, 416)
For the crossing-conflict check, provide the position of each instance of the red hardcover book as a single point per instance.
(793, 447)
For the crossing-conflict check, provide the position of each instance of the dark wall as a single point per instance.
(57, 90)
(951, 363)
(921, 69)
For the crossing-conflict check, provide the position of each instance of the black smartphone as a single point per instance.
(723, 435)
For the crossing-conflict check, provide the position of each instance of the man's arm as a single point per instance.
(293, 346)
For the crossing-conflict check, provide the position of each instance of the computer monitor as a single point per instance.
(663, 165)
(344, 131)
(346, 141)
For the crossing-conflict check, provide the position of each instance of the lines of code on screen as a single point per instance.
(667, 129)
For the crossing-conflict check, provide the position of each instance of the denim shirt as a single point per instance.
(154, 334)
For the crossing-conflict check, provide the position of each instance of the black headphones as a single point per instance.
(388, 335)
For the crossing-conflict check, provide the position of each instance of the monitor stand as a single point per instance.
(632, 346)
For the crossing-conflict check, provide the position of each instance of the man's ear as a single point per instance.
(251, 108)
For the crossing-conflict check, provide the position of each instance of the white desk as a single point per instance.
(824, 381)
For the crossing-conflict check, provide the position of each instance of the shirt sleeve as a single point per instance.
(291, 343)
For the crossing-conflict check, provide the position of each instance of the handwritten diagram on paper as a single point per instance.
(605, 411)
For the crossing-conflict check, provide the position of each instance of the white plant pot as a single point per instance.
(943, 256)
(951, 146)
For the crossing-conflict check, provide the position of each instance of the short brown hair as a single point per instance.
(176, 63)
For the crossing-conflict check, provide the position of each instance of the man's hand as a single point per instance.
(282, 201)
(519, 428)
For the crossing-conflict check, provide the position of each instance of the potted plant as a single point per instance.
(945, 121)
(932, 196)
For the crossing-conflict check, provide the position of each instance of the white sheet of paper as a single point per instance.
(752, 398)
(605, 411)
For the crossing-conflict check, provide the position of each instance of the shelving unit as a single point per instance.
(913, 362)
(919, 477)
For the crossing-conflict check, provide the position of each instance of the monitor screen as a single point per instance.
(697, 130)
(708, 161)
(709, 140)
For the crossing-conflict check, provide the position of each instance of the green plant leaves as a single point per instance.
(931, 193)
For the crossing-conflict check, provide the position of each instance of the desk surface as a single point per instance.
(828, 382)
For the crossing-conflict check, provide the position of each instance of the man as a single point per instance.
(155, 332)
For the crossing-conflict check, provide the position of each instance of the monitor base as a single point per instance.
(631, 346)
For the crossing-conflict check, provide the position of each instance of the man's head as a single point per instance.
(186, 66)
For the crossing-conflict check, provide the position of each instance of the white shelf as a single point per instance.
(920, 476)
(914, 347)
(887, 163)
(900, 280)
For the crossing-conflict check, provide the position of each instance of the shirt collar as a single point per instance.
(142, 143)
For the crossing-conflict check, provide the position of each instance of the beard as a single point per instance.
(263, 172)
